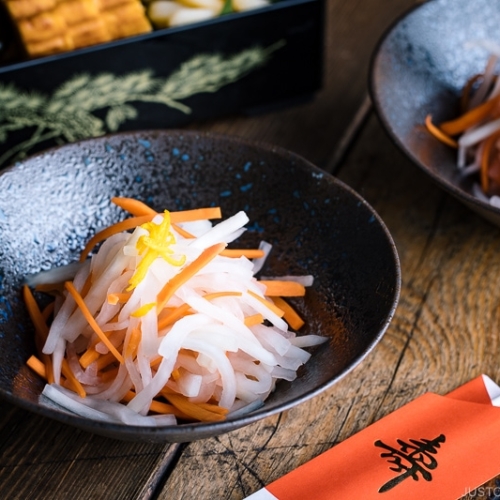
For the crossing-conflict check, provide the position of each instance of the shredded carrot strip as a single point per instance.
(470, 118)
(291, 316)
(49, 367)
(268, 304)
(119, 227)
(108, 375)
(88, 357)
(75, 383)
(439, 134)
(118, 298)
(203, 413)
(196, 214)
(41, 328)
(216, 295)
(173, 316)
(91, 321)
(284, 288)
(157, 406)
(182, 231)
(485, 160)
(249, 253)
(48, 310)
(133, 206)
(133, 343)
(465, 97)
(37, 366)
(255, 319)
(138, 208)
(86, 286)
(105, 360)
(188, 272)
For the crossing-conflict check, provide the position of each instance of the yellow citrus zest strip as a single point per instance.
(119, 227)
(156, 244)
(143, 310)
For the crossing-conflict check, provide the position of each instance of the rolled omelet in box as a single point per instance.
(52, 26)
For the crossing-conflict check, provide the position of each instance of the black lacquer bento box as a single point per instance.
(237, 63)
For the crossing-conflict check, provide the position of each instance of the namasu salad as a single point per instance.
(165, 324)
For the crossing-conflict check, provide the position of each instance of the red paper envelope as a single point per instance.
(434, 447)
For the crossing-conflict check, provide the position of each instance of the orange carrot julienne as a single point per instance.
(284, 288)
(465, 97)
(470, 118)
(173, 316)
(37, 366)
(182, 231)
(488, 145)
(70, 376)
(91, 321)
(254, 319)
(439, 134)
(131, 205)
(195, 214)
(133, 343)
(291, 316)
(41, 328)
(188, 272)
(267, 303)
(119, 227)
(88, 357)
(48, 311)
(216, 295)
(194, 410)
(105, 360)
(249, 253)
(118, 298)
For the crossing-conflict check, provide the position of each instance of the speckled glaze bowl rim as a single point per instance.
(182, 432)
(374, 95)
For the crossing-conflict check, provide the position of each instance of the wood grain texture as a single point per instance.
(41, 459)
(445, 331)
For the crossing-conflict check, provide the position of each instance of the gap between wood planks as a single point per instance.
(161, 472)
(349, 136)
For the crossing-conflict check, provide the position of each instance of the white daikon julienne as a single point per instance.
(163, 324)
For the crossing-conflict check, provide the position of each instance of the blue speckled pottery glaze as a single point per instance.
(51, 204)
(418, 68)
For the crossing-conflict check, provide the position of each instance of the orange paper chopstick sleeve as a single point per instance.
(434, 447)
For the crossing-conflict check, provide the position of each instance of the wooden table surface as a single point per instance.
(445, 330)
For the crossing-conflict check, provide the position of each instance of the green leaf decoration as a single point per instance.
(118, 115)
(69, 115)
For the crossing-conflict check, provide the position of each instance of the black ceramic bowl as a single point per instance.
(419, 68)
(51, 203)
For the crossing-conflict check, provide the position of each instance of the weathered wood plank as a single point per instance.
(42, 459)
